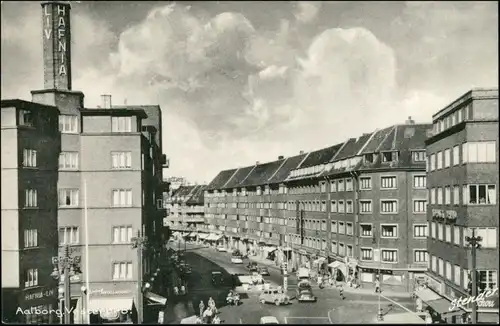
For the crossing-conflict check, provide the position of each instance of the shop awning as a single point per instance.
(176, 234)
(214, 237)
(427, 295)
(440, 304)
(105, 305)
(270, 249)
(193, 234)
(203, 235)
(335, 264)
(156, 298)
(287, 249)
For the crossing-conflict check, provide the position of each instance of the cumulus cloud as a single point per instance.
(306, 12)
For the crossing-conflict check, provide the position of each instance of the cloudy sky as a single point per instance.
(245, 81)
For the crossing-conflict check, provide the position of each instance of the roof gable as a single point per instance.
(221, 179)
(375, 141)
(239, 177)
(290, 164)
(262, 173)
(321, 156)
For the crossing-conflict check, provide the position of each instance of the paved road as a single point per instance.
(330, 308)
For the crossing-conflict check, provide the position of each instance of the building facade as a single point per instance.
(358, 207)
(463, 192)
(109, 185)
(30, 148)
(186, 215)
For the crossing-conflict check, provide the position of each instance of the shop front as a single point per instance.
(35, 306)
(487, 305)
(112, 303)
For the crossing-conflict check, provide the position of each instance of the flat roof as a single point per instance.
(114, 112)
(18, 103)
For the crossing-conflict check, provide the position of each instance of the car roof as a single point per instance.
(216, 272)
(269, 319)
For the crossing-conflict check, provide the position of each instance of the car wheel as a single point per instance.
(262, 301)
(277, 302)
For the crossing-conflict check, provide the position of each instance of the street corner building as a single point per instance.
(462, 155)
(87, 178)
(357, 208)
(185, 212)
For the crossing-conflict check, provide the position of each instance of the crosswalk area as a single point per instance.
(307, 320)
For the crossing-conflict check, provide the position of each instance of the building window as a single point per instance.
(29, 158)
(323, 206)
(341, 228)
(30, 198)
(349, 206)
(122, 197)
(333, 206)
(68, 161)
(489, 236)
(69, 197)
(341, 249)
(456, 235)
(440, 196)
(333, 186)
(433, 162)
(348, 184)
(366, 254)
(441, 267)
(457, 277)
(334, 247)
(365, 183)
(420, 231)
(122, 234)
(447, 231)
(340, 185)
(68, 124)
(366, 230)
(365, 206)
(448, 271)
(341, 207)
(419, 206)
(121, 124)
(434, 264)
(447, 195)
(30, 238)
(487, 279)
(479, 152)
(349, 252)
(456, 155)
(456, 195)
(25, 118)
(121, 160)
(439, 160)
(389, 231)
(481, 195)
(433, 196)
(31, 277)
(349, 228)
(122, 271)
(388, 183)
(334, 227)
(389, 156)
(440, 231)
(69, 235)
(389, 255)
(447, 158)
(419, 181)
(420, 256)
(388, 206)
(418, 156)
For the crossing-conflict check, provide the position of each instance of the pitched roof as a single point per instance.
(374, 143)
(352, 147)
(262, 173)
(221, 179)
(321, 156)
(239, 177)
(197, 195)
(291, 163)
(183, 191)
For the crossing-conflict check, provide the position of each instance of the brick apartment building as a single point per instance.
(109, 170)
(186, 215)
(30, 148)
(463, 192)
(358, 206)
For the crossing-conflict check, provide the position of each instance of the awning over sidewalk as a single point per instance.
(287, 249)
(203, 235)
(156, 298)
(339, 265)
(214, 237)
(270, 249)
(438, 303)
(176, 234)
(193, 234)
(109, 307)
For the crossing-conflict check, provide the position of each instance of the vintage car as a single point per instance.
(274, 296)
(217, 278)
(269, 320)
(235, 259)
(221, 249)
(304, 292)
(252, 267)
(264, 271)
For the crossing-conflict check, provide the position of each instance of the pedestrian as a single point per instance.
(202, 307)
(342, 293)
(377, 285)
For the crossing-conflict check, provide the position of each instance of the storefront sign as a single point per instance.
(111, 292)
(61, 35)
(376, 271)
(486, 299)
(39, 294)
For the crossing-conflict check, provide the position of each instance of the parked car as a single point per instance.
(252, 267)
(221, 249)
(264, 271)
(305, 295)
(274, 296)
(269, 320)
(236, 260)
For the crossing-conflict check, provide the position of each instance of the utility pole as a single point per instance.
(474, 243)
(139, 243)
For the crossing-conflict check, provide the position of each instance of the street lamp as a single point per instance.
(474, 243)
(139, 242)
(69, 265)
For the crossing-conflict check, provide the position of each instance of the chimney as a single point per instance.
(281, 157)
(106, 101)
(301, 152)
(410, 121)
(257, 163)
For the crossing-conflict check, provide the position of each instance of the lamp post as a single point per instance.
(474, 243)
(139, 243)
(65, 263)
